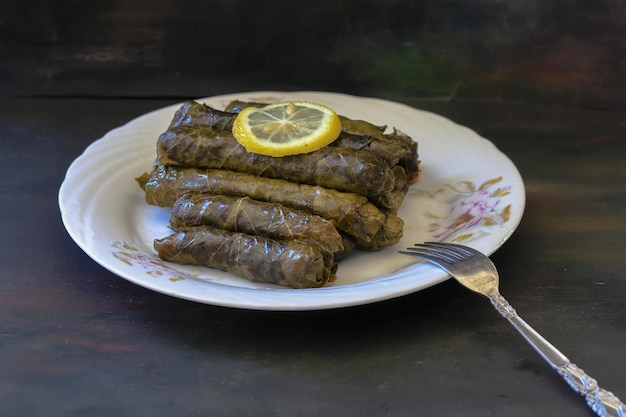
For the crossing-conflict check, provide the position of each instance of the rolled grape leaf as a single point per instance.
(237, 106)
(192, 113)
(390, 202)
(348, 246)
(396, 147)
(350, 170)
(362, 128)
(349, 212)
(253, 217)
(256, 258)
(389, 234)
(410, 160)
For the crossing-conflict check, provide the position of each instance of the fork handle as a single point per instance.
(602, 402)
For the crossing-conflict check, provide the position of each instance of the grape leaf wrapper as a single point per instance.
(256, 258)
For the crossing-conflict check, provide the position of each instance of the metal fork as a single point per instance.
(476, 271)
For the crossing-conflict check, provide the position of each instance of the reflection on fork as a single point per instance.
(476, 272)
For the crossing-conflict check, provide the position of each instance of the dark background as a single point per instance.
(568, 52)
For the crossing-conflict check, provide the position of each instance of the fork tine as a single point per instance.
(454, 246)
(432, 253)
(453, 249)
(432, 256)
(443, 250)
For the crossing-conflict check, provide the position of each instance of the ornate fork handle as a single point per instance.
(602, 402)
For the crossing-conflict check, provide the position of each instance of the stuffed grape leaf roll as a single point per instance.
(351, 170)
(237, 106)
(245, 215)
(395, 148)
(192, 113)
(256, 258)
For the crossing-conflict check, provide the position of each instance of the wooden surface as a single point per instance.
(76, 340)
(567, 52)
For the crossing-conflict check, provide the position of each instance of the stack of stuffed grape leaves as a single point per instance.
(284, 220)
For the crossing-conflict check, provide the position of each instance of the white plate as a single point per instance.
(104, 209)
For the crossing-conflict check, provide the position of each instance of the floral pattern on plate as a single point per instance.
(130, 254)
(472, 210)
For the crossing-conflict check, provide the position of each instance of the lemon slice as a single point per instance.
(286, 128)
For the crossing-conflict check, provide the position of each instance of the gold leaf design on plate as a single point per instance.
(131, 255)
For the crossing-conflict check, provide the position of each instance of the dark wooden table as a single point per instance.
(76, 340)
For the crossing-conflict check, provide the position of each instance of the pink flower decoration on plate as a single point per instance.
(472, 210)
